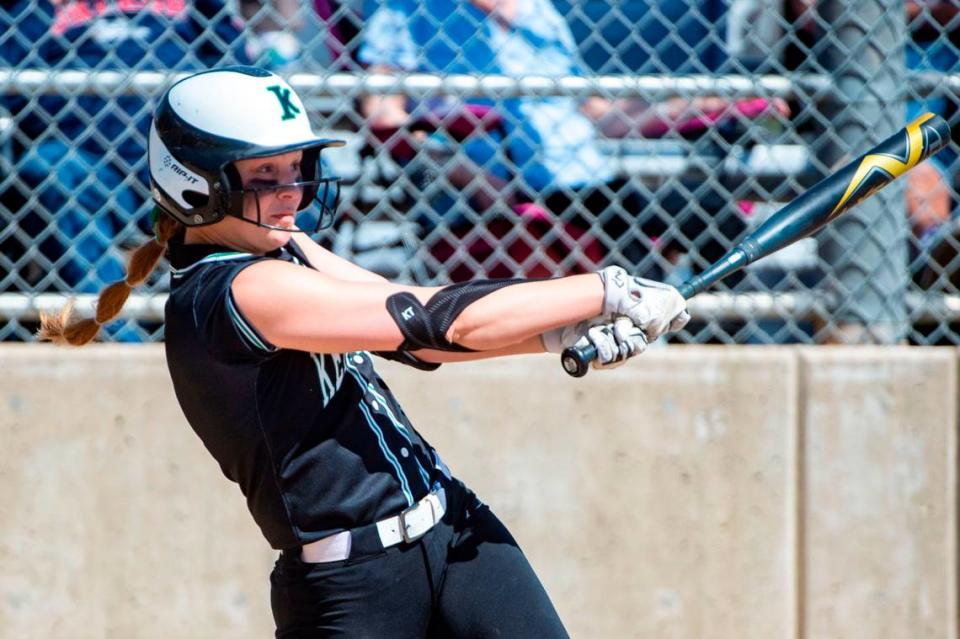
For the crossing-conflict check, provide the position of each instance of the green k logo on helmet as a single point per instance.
(290, 110)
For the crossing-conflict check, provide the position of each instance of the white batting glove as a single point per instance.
(615, 342)
(558, 339)
(655, 307)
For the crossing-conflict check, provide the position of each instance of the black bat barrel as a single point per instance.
(804, 216)
(832, 196)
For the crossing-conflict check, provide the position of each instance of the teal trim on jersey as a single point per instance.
(213, 257)
(399, 426)
(404, 485)
(246, 331)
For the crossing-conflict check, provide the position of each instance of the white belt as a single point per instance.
(409, 525)
(414, 522)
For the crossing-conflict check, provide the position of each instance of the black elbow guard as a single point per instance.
(427, 326)
(407, 358)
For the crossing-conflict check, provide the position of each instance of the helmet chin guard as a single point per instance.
(196, 136)
(324, 193)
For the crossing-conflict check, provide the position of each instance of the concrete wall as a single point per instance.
(699, 493)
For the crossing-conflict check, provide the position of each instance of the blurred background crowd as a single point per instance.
(500, 138)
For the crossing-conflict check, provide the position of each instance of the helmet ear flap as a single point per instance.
(309, 172)
(233, 197)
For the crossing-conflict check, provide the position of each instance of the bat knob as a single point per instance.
(576, 361)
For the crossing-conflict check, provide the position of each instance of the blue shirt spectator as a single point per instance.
(551, 142)
(649, 36)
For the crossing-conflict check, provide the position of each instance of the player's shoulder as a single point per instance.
(263, 274)
(205, 282)
(200, 271)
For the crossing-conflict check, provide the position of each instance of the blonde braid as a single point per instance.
(62, 328)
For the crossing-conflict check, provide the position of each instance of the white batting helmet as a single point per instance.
(211, 119)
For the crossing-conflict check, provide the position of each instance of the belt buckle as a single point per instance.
(403, 519)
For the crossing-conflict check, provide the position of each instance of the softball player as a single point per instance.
(269, 340)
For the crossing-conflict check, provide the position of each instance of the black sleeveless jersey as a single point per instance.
(316, 441)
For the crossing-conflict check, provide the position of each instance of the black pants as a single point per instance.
(465, 578)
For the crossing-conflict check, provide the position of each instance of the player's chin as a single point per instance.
(284, 223)
(279, 235)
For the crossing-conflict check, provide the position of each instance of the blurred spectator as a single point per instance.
(690, 36)
(934, 28)
(293, 36)
(650, 36)
(551, 148)
(274, 40)
(342, 21)
(81, 165)
(933, 46)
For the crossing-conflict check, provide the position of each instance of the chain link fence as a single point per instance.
(497, 138)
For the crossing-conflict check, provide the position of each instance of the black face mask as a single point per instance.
(324, 192)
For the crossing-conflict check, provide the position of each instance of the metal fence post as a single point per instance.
(864, 52)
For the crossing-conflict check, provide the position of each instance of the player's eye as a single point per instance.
(258, 184)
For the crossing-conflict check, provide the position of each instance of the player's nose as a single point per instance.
(289, 192)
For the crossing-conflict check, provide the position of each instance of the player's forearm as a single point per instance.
(514, 314)
(526, 347)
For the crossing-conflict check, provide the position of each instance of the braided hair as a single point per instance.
(64, 328)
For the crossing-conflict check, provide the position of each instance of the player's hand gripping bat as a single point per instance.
(823, 202)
